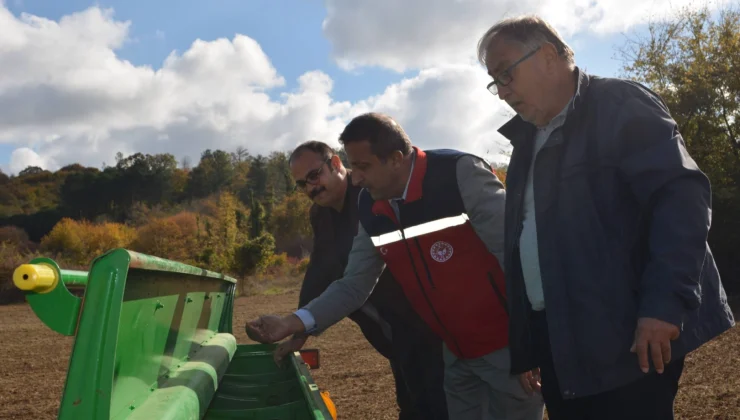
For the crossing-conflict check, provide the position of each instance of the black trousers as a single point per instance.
(650, 397)
(415, 357)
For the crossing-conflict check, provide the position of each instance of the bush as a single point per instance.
(172, 238)
(254, 255)
(16, 237)
(10, 259)
(302, 266)
(82, 241)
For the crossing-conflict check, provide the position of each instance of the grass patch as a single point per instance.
(269, 285)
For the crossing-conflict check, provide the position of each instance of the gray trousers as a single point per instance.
(484, 389)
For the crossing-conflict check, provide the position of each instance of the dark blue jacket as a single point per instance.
(622, 215)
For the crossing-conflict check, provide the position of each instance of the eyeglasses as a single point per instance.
(311, 178)
(504, 78)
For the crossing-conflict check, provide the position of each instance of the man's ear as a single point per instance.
(551, 55)
(336, 163)
(396, 158)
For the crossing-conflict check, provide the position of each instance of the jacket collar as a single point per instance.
(419, 169)
(413, 187)
(514, 128)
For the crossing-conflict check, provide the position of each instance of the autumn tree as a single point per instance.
(174, 237)
(81, 241)
(223, 235)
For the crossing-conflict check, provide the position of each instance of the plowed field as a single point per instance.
(33, 361)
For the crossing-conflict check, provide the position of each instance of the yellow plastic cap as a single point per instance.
(329, 404)
(35, 277)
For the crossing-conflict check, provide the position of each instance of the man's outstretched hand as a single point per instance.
(268, 329)
(653, 338)
(289, 346)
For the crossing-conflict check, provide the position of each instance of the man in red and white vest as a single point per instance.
(435, 219)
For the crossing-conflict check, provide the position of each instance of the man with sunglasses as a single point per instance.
(609, 276)
(386, 320)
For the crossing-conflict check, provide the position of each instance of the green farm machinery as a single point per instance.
(153, 340)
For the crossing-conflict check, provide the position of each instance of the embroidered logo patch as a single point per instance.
(383, 250)
(441, 251)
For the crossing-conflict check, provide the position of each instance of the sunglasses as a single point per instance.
(311, 178)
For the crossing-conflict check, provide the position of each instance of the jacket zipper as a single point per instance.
(421, 286)
(424, 261)
(500, 295)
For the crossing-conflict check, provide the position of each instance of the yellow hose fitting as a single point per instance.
(39, 278)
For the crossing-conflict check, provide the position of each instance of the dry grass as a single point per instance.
(34, 361)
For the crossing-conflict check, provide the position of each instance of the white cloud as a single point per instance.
(65, 96)
(65, 93)
(446, 107)
(24, 157)
(412, 34)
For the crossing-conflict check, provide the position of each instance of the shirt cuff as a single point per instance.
(308, 320)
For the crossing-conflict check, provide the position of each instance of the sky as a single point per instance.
(83, 80)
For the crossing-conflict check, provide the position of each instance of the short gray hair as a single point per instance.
(530, 31)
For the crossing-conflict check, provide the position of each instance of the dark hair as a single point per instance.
(381, 131)
(320, 148)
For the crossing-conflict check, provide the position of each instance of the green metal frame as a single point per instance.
(133, 357)
(58, 308)
(153, 338)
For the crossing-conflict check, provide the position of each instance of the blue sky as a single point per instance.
(291, 36)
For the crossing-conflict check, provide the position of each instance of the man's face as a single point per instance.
(527, 86)
(316, 178)
(368, 171)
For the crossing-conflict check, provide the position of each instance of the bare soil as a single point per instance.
(34, 359)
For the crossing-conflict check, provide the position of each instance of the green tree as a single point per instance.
(256, 218)
(214, 173)
(257, 177)
(30, 170)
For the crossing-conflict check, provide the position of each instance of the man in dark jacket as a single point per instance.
(387, 320)
(609, 276)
